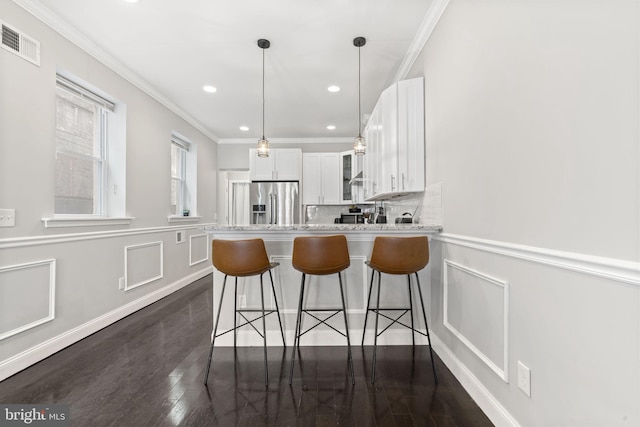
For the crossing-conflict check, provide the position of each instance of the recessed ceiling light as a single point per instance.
(131, 1)
(331, 127)
(244, 128)
(333, 88)
(209, 89)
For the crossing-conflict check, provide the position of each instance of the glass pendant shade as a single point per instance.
(263, 147)
(359, 146)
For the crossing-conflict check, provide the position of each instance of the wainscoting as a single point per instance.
(28, 296)
(58, 289)
(563, 315)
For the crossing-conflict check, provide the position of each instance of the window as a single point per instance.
(183, 176)
(82, 132)
(179, 150)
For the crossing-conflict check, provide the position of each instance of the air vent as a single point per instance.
(20, 44)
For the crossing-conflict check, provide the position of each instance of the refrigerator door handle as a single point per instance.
(270, 208)
(275, 208)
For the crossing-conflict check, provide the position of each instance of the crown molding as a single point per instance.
(296, 141)
(64, 29)
(427, 26)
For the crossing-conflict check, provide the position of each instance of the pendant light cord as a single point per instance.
(359, 114)
(263, 93)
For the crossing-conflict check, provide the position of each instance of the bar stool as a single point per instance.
(398, 255)
(320, 255)
(242, 258)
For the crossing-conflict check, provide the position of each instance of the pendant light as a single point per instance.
(359, 144)
(263, 143)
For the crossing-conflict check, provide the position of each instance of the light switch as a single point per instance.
(7, 217)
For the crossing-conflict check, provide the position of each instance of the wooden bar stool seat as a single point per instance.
(320, 255)
(398, 256)
(242, 258)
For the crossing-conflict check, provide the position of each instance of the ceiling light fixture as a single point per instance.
(331, 127)
(244, 128)
(333, 88)
(263, 143)
(209, 89)
(359, 144)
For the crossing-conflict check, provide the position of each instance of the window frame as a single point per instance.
(181, 177)
(113, 173)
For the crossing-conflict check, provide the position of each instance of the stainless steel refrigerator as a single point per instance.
(275, 203)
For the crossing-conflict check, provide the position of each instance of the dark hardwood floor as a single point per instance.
(147, 370)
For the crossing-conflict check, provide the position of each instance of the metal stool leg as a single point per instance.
(235, 312)
(215, 328)
(375, 337)
(275, 298)
(426, 325)
(346, 326)
(264, 333)
(413, 330)
(366, 313)
(296, 338)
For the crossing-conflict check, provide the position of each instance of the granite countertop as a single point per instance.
(328, 227)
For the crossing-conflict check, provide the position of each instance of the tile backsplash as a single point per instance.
(424, 208)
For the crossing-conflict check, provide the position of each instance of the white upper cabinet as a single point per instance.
(321, 178)
(394, 163)
(411, 159)
(283, 164)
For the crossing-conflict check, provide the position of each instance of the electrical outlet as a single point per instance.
(7, 217)
(243, 301)
(524, 378)
(121, 283)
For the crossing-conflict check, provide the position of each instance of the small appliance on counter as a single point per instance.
(351, 218)
(406, 218)
(381, 218)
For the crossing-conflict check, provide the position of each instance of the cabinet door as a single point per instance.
(287, 164)
(371, 170)
(347, 172)
(261, 168)
(311, 182)
(330, 178)
(411, 159)
(388, 180)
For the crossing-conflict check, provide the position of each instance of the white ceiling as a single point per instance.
(177, 46)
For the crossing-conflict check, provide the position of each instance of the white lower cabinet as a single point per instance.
(321, 179)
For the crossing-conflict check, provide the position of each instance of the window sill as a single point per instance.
(183, 219)
(83, 221)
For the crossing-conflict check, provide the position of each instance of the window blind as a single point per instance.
(175, 139)
(83, 92)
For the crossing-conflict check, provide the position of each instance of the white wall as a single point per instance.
(83, 288)
(532, 127)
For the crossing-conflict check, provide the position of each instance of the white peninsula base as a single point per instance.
(321, 291)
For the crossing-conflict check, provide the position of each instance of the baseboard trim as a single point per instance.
(20, 361)
(498, 415)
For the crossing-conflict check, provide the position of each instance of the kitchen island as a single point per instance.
(321, 291)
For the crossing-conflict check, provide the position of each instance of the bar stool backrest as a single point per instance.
(240, 257)
(400, 255)
(320, 255)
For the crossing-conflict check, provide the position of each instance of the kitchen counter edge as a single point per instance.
(424, 228)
